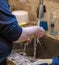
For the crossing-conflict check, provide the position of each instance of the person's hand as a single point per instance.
(28, 32)
(36, 31)
(39, 32)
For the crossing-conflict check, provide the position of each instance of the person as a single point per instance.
(11, 32)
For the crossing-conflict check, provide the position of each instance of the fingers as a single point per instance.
(40, 32)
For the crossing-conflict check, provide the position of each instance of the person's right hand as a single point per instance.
(34, 31)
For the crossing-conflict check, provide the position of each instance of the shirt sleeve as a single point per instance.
(9, 28)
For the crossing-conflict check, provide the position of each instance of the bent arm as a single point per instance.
(9, 28)
(28, 32)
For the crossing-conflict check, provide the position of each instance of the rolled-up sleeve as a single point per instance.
(9, 28)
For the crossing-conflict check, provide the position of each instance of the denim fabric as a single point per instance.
(8, 24)
(9, 29)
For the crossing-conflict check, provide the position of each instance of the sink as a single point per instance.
(48, 49)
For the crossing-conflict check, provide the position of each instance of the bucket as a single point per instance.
(21, 16)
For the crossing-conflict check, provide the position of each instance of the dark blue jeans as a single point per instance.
(5, 49)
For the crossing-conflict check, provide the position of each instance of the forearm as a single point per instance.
(26, 33)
